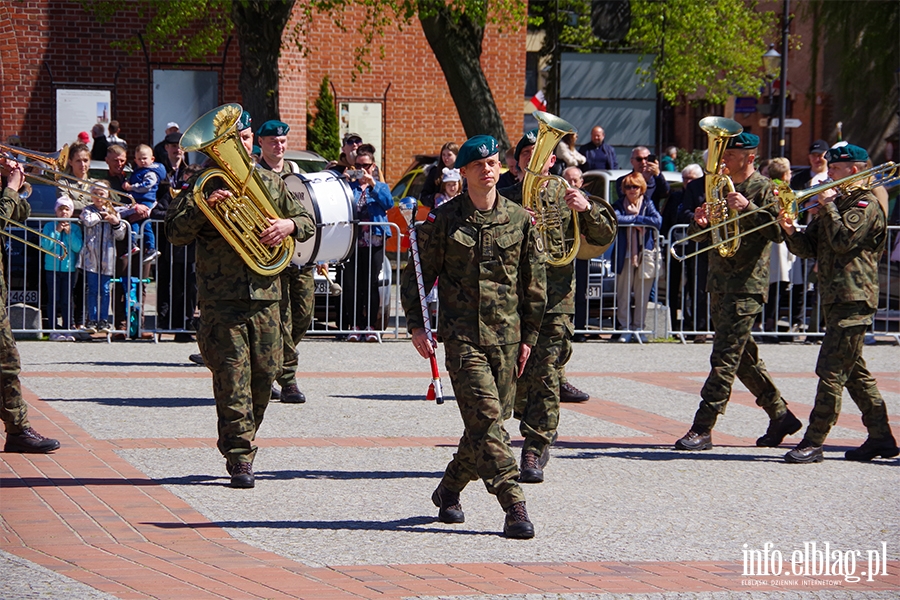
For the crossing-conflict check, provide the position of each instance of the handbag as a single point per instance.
(650, 259)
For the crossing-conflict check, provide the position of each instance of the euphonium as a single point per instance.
(242, 218)
(725, 237)
(544, 195)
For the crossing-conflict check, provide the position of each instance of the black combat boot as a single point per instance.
(448, 502)
(29, 442)
(531, 470)
(242, 475)
(695, 440)
(291, 394)
(805, 452)
(570, 393)
(885, 447)
(517, 524)
(778, 430)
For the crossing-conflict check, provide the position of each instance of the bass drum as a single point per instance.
(329, 200)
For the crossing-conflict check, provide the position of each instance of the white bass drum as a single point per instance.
(329, 200)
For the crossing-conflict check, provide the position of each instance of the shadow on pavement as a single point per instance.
(411, 524)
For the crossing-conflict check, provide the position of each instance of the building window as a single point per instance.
(531, 73)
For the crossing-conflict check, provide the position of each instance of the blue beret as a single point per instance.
(528, 139)
(848, 153)
(744, 141)
(273, 128)
(244, 121)
(476, 148)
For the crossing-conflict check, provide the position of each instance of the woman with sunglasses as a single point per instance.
(637, 218)
(360, 300)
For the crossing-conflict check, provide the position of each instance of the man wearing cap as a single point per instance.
(298, 285)
(738, 288)
(818, 167)
(847, 237)
(347, 159)
(543, 384)
(240, 330)
(20, 435)
(159, 150)
(273, 144)
(483, 248)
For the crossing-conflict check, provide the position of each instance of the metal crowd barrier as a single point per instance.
(159, 297)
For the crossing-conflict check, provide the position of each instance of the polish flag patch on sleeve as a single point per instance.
(862, 203)
(430, 217)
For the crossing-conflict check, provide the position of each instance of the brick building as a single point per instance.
(52, 44)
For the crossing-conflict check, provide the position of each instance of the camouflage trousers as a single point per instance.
(483, 381)
(537, 391)
(296, 308)
(14, 411)
(841, 365)
(241, 343)
(735, 353)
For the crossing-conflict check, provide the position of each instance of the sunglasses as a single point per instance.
(352, 141)
(364, 165)
(631, 187)
(641, 158)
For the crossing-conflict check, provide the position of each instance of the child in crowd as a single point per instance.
(451, 186)
(102, 227)
(59, 273)
(144, 185)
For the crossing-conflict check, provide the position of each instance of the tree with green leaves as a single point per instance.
(455, 31)
(699, 49)
(322, 129)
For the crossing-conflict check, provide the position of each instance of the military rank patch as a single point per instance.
(487, 244)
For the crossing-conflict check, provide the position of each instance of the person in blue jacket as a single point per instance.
(60, 272)
(637, 254)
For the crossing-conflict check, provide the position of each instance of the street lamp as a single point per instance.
(771, 64)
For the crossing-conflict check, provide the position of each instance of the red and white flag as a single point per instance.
(539, 101)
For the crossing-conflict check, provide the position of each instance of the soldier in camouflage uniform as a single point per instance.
(297, 284)
(482, 246)
(538, 391)
(20, 436)
(846, 238)
(738, 288)
(240, 329)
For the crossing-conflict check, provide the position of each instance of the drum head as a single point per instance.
(329, 200)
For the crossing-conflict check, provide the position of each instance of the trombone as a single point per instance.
(56, 167)
(791, 203)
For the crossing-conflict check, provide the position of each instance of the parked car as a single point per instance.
(307, 160)
(413, 179)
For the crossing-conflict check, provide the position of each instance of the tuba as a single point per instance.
(242, 218)
(544, 194)
(723, 222)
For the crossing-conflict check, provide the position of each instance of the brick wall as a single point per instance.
(419, 114)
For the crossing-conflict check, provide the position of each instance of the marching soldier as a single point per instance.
(482, 246)
(20, 435)
(240, 329)
(297, 284)
(846, 238)
(738, 288)
(538, 391)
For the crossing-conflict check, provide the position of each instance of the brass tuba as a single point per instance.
(544, 194)
(242, 218)
(723, 225)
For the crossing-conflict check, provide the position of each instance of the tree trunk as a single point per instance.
(457, 47)
(260, 25)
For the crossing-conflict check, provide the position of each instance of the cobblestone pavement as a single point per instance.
(136, 504)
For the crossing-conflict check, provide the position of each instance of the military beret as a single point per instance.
(528, 139)
(476, 148)
(244, 121)
(744, 141)
(273, 128)
(848, 153)
(173, 138)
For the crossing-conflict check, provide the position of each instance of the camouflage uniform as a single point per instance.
(14, 411)
(240, 330)
(297, 302)
(492, 298)
(738, 287)
(846, 238)
(537, 392)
